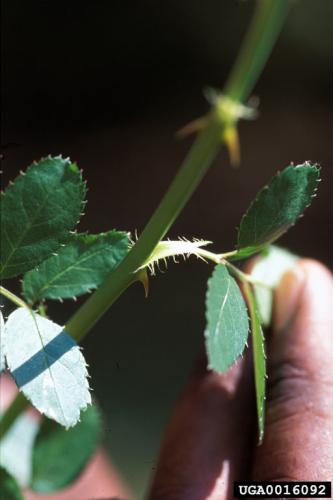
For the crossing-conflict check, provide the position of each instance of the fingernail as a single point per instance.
(287, 297)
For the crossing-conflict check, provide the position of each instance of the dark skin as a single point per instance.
(210, 440)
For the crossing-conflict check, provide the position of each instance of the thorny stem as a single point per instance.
(192, 171)
(257, 45)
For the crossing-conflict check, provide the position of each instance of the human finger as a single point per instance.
(207, 443)
(298, 442)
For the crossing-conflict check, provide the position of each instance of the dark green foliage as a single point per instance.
(47, 365)
(82, 265)
(277, 207)
(9, 489)
(59, 455)
(38, 211)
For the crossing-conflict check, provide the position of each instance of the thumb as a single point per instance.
(298, 444)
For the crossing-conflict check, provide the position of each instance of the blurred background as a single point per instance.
(109, 84)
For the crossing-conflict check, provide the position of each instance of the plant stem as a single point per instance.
(12, 297)
(257, 45)
(18, 405)
(244, 277)
(193, 169)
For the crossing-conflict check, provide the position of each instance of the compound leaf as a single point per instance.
(59, 455)
(227, 320)
(259, 359)
(37, 212)
(268, 270)
(10, 490)
(277, 207)
(79, 267)
(47, 366)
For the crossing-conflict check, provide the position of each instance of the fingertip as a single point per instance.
(298, 435)
(309, 284)
(287, 297)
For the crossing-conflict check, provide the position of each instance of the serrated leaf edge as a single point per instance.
(83, 186)
(86, 375)
(209, 366)
(316, 168)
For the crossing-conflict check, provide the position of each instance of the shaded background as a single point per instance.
(108, 84)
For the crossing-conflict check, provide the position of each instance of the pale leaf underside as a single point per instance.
(47, 366)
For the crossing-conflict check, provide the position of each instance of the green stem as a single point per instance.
(12, 297)
(192, 171)
(13, 411)
(257, 45)
(244, 277)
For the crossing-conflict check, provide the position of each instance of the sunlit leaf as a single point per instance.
(277, 207)
(59, 455)
(47, 366)
(37, 212)
(80, 266)
(227, 321)
(10, 490)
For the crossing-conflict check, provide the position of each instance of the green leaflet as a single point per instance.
(37, 212)
(47, 366)
(269, 269)
(277, 207)
(59, 455)
(80, 266)
(9, 488)
(227, 321)
(259, 359)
